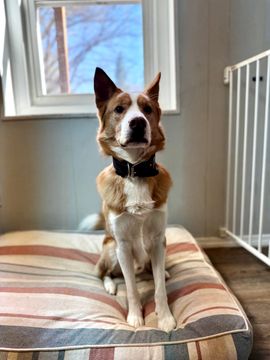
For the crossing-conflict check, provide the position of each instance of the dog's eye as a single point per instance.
(147, 109)
(119, 109)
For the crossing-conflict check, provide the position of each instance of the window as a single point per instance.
(55, 46)
(75, 38)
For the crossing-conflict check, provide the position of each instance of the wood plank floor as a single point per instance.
(249, 279)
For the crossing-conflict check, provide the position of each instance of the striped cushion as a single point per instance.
(50, 300)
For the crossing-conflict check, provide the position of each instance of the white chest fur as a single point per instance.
(140, 223)
(139, 201)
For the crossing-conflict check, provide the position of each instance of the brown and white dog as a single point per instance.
(134, 191)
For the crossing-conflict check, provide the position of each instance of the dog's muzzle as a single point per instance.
(137, 132)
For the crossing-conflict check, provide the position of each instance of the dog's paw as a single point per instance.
(167, 323)
(135, 320)
(109, 285)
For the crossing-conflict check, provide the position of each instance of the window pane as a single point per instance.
(75, 39)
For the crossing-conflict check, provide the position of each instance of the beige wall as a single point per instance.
(48, 167)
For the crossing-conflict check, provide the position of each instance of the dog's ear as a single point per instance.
(104, 87)
(152, 90)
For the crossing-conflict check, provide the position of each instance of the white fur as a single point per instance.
(109, 285)
(139, 199)
(89, 223)
(132, 113)
(132, 155)
(140, 235)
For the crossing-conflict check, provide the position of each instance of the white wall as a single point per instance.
(48, 167)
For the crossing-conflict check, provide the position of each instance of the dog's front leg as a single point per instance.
(154, 235)
(166, 321)
(124, 255)
(126, 230)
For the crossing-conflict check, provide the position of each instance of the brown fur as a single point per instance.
(104, 265)
(109, 121)
(111, 189)
(159, 186)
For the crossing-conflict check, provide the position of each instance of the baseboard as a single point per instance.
(216, 242)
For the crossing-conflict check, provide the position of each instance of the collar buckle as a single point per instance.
(131, 171)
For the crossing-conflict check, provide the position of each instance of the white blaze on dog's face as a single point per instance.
(133, 131)
(129, 124)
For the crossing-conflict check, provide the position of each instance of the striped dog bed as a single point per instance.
(53, 307)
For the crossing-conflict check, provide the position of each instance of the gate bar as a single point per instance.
(264, 154)
(250, 248)
(244, 154)
(250, 60)
(251, 237)
(236, 147)
(229, 148)
(251, 211)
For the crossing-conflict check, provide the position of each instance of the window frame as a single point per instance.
(159, 27)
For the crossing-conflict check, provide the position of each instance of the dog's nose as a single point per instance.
(138, 124)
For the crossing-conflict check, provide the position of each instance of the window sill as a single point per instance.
(68, 116)
(47, 117)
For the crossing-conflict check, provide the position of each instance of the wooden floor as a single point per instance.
(249, 280)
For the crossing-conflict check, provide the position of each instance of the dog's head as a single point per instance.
(129, 125)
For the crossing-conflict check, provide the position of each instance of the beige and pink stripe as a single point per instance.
(51, 303)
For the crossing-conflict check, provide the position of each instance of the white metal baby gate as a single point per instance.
(248, 167)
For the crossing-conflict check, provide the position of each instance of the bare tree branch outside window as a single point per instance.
(104, 35)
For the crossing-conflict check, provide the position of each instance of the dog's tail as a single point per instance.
(92, 222)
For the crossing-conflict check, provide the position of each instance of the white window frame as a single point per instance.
(22, 88)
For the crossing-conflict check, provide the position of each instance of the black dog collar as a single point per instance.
(144, 169)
